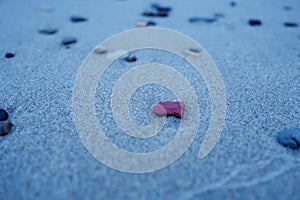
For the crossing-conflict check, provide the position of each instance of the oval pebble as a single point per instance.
(151, 23)
(76, 18)
(68, 40)
(48, 31)
(254, 22)
(130, 58)
(9, 55)
(289, 138)
(3, 115)
(100, 50)
(290, 24)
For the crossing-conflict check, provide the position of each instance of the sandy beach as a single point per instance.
(43, 156)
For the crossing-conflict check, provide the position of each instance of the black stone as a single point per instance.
(202, 19)
(155, 14)
(162, 14)
(161, 8)
(68, 40)
(9, 55)
(48, 31)
(149, 14)
(76, 19)
(254, 22)
(3, 115)
(151, 23)
(290, 24)
(130, 59)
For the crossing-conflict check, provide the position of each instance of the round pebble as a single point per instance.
(9, 55)
(3, 115)
(68, 40)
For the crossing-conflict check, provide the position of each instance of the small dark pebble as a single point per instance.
(5, 127)
(151, 23)
(290, 24)
(149, 14)
(155, 14)
(3, 115)
(194, 50)
(290, 138)
(254, 22)
(233, 4)
(161, 8)
(68, 40)
(219, 15)
(76, 19)
(130, 58)
(202, 19)
(162, 14)
(287, 7)
(48, 31)
(9, 55)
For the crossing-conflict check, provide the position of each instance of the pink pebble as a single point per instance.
(169, 109)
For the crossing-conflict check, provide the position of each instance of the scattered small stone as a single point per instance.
(233, 4)
(290, 138)
(9, 55)
(254, 22)
(3, 115)
(287, 7)
(155, 14)
(143, 24)
(170, 109)
(149, 14)
(76, 19)
(192, 52)
(219, 15)
(48, 31)
(162, 14)
(161, 8)
(100, 50)
(160, 11)
(202, 19)
(68, 40)
(290, 24)
(151, 23)
(5, 127)
(130, 58)
(46, 8)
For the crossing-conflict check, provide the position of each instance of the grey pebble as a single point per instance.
(48, 31)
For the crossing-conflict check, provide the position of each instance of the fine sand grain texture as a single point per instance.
(43, 156)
